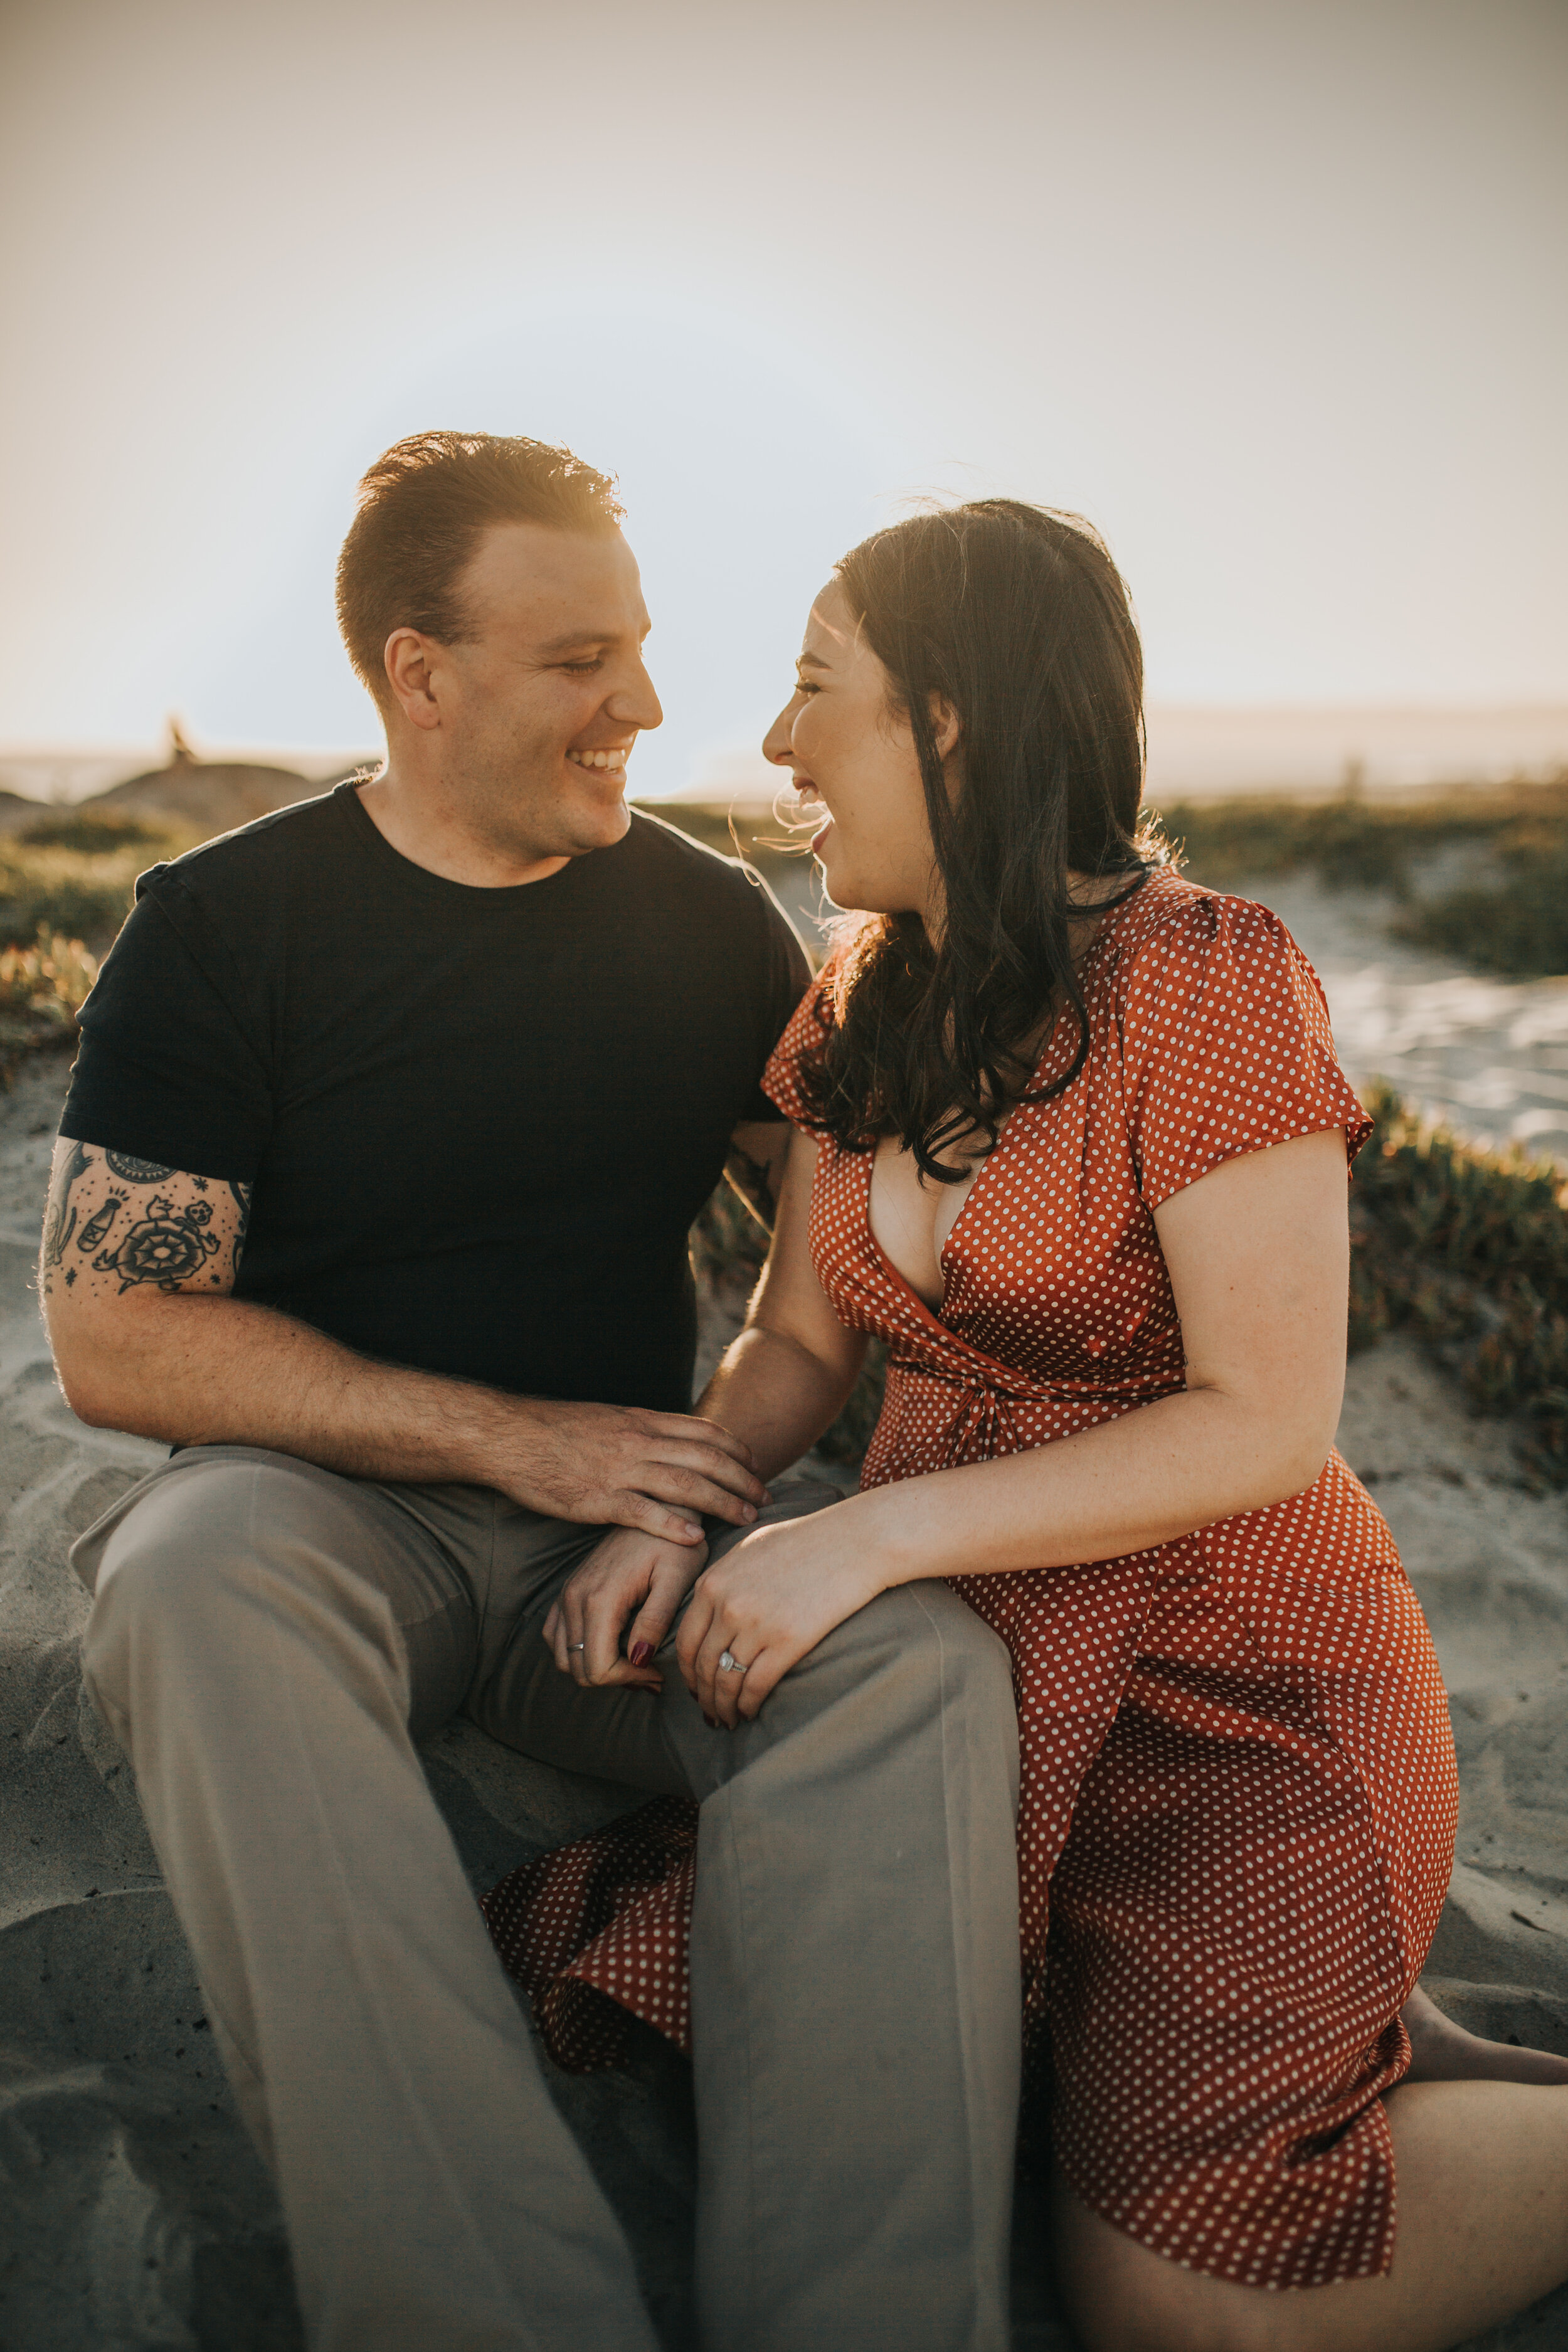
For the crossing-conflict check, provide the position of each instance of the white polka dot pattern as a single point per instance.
(1238, 1792)
(607, 1916)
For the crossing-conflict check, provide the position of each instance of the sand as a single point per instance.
(135, 2214)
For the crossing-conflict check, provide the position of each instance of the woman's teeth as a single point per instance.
(598, 759)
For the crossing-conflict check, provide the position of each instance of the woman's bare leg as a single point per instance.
(1483, 2232)
(1442, 2051)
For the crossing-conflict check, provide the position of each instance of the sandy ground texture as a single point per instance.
(135, 2214)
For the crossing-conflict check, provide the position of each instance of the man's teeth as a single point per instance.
(598, 759)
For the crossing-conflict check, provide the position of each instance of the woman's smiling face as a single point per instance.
(847, 747)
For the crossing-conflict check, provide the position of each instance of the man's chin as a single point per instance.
(594, 824)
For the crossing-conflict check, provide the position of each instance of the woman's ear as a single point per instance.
(946, 724)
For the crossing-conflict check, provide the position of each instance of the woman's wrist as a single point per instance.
(894, 1540)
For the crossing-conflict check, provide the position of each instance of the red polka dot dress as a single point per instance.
(1238, 1795)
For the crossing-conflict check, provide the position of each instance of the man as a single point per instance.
(390, 1116)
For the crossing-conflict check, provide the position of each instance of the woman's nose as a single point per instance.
(776, 744)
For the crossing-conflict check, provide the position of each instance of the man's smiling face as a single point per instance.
(542, 700)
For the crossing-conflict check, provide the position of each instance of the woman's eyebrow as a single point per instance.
(804, 660)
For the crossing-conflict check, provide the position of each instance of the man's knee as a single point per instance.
(163, 1549)
(912, 1667)
(969, 1651)
(924, 1633)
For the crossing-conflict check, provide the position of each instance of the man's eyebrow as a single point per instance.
(580, 640)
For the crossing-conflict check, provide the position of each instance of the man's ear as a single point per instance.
(406, 658)
(946, 724)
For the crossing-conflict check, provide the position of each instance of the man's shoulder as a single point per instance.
(237, 869)
(668, 860)
(662, 846)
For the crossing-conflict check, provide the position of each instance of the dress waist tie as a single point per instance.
(982, 1426)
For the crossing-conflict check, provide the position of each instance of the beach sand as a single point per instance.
(136, 2214)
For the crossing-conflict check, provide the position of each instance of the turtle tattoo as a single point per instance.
(166, 1247)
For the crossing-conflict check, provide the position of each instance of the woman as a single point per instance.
(1072, 1140)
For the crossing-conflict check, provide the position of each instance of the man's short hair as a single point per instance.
(421, 507)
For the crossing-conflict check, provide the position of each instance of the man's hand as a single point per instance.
(628, 1571)
(606, 1465)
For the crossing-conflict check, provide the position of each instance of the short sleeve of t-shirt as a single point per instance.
(168, 1068)
(1227, 1046)
(813, 1016)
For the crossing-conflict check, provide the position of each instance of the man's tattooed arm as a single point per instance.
(117, 1223)
(59, 1222)
(138, 1271)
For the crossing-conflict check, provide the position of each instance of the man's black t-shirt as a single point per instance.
(478, 1122)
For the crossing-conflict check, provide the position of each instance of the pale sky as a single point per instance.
(1271, 292)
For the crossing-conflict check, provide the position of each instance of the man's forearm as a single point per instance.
(226, 1372)
(148, 1337)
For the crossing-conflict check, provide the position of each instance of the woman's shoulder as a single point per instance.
(815, 1014)
(1223, 1033)
(1173, 926)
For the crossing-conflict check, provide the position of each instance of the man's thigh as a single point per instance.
(233, 1517)
(653, 1740)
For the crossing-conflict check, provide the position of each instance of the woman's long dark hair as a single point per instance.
(1018, 617)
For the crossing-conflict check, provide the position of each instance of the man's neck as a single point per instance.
(428, 826)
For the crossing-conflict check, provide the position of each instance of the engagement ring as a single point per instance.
(730, 1665)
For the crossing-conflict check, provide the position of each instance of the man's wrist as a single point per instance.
(489, 1436)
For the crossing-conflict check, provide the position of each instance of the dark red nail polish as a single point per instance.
(641, 1653)
(711, 1720)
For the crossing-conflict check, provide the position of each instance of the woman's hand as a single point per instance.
(769, 1602)
(629, 1571)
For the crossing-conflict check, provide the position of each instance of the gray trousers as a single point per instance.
(269, 1640)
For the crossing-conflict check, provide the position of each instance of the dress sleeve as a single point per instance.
(1227, 1046)
(813, 1016)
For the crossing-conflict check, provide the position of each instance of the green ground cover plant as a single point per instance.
(1468, 1249)
(41, 987)
(73, 873)
(1510, 915)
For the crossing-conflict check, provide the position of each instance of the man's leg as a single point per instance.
(262, 1634)
(855, 1967)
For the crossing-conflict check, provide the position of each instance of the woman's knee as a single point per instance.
(1122, 2296)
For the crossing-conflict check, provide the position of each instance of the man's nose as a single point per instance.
(635, 704)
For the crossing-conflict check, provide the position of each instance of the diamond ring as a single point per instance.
(731, 1665)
